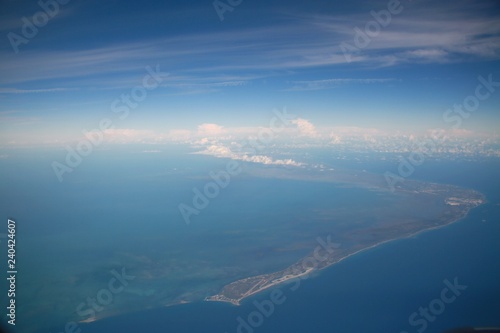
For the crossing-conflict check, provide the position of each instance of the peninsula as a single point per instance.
(456, 202)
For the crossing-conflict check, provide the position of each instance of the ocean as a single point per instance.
(374, 291)
(377, 290)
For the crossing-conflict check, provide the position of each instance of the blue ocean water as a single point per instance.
(377, 290)
(374, 291)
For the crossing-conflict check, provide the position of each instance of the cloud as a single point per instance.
(427, 53)
(343, 134)
(426, 34)
(305, 127)
(221, 151)
(451, 133)
(185, 85)
(210, 130)
(305, 41)
(269, 161)
(32, 91)
(15, 117)
(335, 139)
(226, 84)
(331, 83)
(354, 131)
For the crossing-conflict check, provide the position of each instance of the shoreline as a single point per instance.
(282, 280)
(237, 291)
(237, 302)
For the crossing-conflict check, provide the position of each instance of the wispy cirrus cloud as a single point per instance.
(421, 36)
(33, 91)
(427, 31)
(10, 118)
(331, 83)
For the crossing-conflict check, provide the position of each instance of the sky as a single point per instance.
(165, 71)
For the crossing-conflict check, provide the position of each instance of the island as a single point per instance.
(457, 202)
(279, 226)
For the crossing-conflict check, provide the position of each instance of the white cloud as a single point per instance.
(354, 131)
(335, 139)
(269, 161)
(305, 127)
(210, 130)
(221, 151)
(452, 133)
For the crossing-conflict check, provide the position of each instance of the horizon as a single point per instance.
(367, 69)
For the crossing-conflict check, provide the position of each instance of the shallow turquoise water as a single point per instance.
(133, 203)
(378, 290)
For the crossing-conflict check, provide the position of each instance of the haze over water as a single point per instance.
(134, 222)
(328, 166)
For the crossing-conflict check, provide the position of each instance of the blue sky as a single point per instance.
(233, 72)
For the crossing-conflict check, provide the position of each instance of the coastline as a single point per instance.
(458, 205)
(237, 302)
(286, 278)
(220, 297)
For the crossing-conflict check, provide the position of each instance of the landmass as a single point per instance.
(175, 272)
(458, 202)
